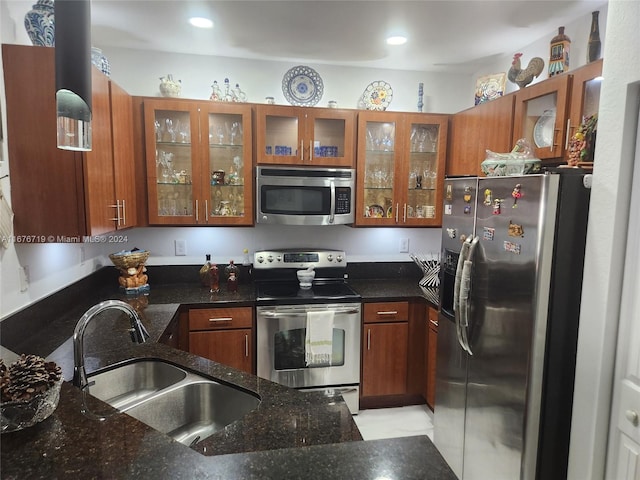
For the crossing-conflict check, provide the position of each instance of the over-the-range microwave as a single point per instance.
(305, 195)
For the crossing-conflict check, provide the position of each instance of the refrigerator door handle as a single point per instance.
(457, 307)
(465, 289)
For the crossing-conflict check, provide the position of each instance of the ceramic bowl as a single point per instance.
(305, 277)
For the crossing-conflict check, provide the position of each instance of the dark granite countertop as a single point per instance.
(289, 435)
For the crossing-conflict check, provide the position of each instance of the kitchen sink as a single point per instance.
(179, 403)
(194, 411)
(133, 382)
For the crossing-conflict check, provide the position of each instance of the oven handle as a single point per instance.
(304, 312)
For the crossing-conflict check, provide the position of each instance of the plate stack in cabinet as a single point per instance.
(199, 162)
(224, 335)
(401, 162)
(300, 136)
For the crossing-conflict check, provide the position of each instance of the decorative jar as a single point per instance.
(40, 23)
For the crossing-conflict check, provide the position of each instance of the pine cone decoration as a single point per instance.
(28, 376)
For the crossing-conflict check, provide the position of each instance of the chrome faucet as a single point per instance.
(138, 332)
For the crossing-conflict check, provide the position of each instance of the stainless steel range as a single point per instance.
(308, 338)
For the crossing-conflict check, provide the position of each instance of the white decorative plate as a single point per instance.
(543, 129)
(377, 95)
(302, 86)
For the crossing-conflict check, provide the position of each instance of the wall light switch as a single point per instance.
(404, 245)
(181, 247)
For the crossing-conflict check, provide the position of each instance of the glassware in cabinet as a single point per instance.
(378, 159)
(229, 168)
(305, 136)
(171, 158)
(424, 172)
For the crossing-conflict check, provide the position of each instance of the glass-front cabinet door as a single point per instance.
(228, 198)
(172, 161)
(288, 135)
(401, 162)
(426, 147)
(379, 162)
(541, 114)
(198, 163)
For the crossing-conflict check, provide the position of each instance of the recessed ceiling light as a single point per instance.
(396, 40)
(201, 22)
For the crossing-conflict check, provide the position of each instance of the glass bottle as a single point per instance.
(204, 271)
(559, 53)
(594, 45)
(214, 279)
(231, 271)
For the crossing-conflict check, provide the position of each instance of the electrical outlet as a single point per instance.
(23, 273)
(181, 247)
(404, 245)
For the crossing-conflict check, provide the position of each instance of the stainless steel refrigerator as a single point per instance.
(511, 280)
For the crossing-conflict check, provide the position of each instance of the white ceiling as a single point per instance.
(444, 36)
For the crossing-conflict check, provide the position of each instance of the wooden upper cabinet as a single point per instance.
(585, 97)
(288, 135)
(488, 126)
(123, 157)
(401, 163)
(541, 113)
(56, 194)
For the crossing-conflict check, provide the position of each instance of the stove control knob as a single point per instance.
(279, 258)
(270, 258)
(339, 258)
(330, 257)
(260, 259)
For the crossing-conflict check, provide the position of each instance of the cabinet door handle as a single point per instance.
(302, 150)
(246, 345)
(397, 212)
(433, 322)
(566, 137)
(310, 150)
(553, 139)
(388, 312)
(206, 211)
(369, 339)
(117, 207)
(404, 214)
(196, 210)
(221, 319)
(124, 214)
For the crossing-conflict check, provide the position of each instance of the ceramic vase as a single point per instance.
(40, 25)
(594, 45)
(559, 53)
(100, 61)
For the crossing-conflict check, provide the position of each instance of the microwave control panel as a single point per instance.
(343, 200)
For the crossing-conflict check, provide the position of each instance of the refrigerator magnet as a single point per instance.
(467, 209)
(497, 206)
(452, 232)
(515, 230)
(467, 195)
(488, 233)
(512, 247)
(488, 197)
(449, 192)
(447, 209)
(516, 194)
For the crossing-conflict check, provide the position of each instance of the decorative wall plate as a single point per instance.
(543, 129)
(302, 86)
(377, 95)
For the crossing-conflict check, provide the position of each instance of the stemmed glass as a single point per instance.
(170, 129)
(234, 130)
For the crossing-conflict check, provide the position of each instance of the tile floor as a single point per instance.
(395, 422)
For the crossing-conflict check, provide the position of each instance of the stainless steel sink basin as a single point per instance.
(184, 405)
(131, 383)
(194, 411)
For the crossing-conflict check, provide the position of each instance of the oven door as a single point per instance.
(281, 332)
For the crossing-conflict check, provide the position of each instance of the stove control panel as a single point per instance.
(299, 258)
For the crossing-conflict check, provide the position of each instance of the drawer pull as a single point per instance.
(390, 312)
(221, 319)
(246, 346)
(369, 339)
(433, 322)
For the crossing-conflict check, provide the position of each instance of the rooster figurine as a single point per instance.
(524, 77)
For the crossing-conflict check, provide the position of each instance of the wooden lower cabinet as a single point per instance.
(224, 335)
(385, 348)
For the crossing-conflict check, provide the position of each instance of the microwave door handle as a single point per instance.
(332, 212)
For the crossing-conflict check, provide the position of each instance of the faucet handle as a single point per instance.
(139, 334)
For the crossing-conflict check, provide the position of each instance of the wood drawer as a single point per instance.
(386, 312)
(220, 318)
